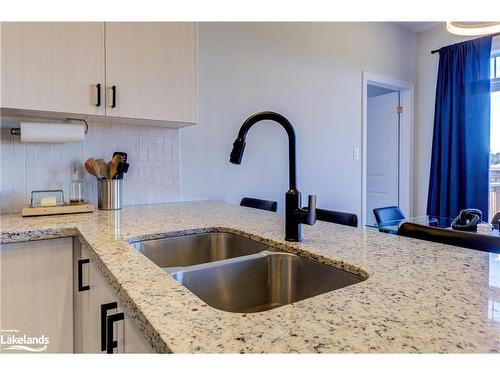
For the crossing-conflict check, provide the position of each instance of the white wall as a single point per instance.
(153, 155)
(309, 72)
(427, 68)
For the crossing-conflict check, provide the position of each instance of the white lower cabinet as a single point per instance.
(101, 323)
(53, 299)
(36, 297)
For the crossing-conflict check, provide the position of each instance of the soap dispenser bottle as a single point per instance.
(76, 193)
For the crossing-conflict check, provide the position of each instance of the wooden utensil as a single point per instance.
(102, 167)
(91, 167)
(123, 166)
(113, 165)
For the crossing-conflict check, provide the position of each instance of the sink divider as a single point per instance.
(174, 271)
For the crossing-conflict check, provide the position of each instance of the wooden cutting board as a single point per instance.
(58, 210)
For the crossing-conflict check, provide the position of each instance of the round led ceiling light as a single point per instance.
(473, 28)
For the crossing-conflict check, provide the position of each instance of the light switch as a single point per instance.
(355, 153)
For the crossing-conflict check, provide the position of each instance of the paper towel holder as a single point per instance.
(17, 131)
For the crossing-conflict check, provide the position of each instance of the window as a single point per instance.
(495, 72)
(495, 137)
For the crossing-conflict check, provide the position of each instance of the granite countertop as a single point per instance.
(419, 296)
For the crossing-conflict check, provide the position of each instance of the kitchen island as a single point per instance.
(419, 297)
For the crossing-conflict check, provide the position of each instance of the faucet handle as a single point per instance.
(311, 210)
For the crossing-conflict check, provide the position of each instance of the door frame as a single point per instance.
(406, 157)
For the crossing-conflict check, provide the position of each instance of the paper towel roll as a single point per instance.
(51, 133)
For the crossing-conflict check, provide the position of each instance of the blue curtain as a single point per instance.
(459, 176)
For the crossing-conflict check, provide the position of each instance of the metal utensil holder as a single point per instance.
(109, 194)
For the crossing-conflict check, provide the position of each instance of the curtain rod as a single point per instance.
(437, 50)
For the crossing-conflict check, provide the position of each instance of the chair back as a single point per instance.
(390, 213)
(260, 204)
(451, 237)
(337, 217)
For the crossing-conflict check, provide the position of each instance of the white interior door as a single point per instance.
(382, 182)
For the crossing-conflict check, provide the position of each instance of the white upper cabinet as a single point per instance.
(57, 67)
(52, 66)
(151, 67)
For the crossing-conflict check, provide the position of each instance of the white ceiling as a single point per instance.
(418, 26)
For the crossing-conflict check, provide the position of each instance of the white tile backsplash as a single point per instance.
(153, 155)
(31, 151)
(55, 151)
(43, 150)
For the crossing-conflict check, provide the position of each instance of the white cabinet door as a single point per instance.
(52, 66)
(152, 67)
(125, 335)
(90, 292)
(81, 299)
(90, 322)
(100, 295)
(134, 339)
(36, 294)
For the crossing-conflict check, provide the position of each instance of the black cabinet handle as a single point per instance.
(110, 342)
(104, 314)
(98, 88)
(113, 100)
(82, 287)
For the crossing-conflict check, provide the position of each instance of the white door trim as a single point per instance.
(406, 90)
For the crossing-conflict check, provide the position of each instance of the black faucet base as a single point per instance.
(293, 231)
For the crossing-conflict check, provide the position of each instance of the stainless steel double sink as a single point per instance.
(233, 273)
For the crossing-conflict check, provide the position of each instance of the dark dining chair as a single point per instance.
(451, 237)
(337, 217)
(260, 204)
(496, 220)
(386, 214)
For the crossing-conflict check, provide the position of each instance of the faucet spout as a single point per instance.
(294, 215)
(239, 143)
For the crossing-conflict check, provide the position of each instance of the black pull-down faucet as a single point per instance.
(294, 215)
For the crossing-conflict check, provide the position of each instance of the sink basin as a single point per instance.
(262, 281)
(199, 248)
(233, 273)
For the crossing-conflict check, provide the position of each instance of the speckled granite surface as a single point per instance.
(419, 297)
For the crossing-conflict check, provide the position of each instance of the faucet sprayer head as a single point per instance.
(237, 152)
